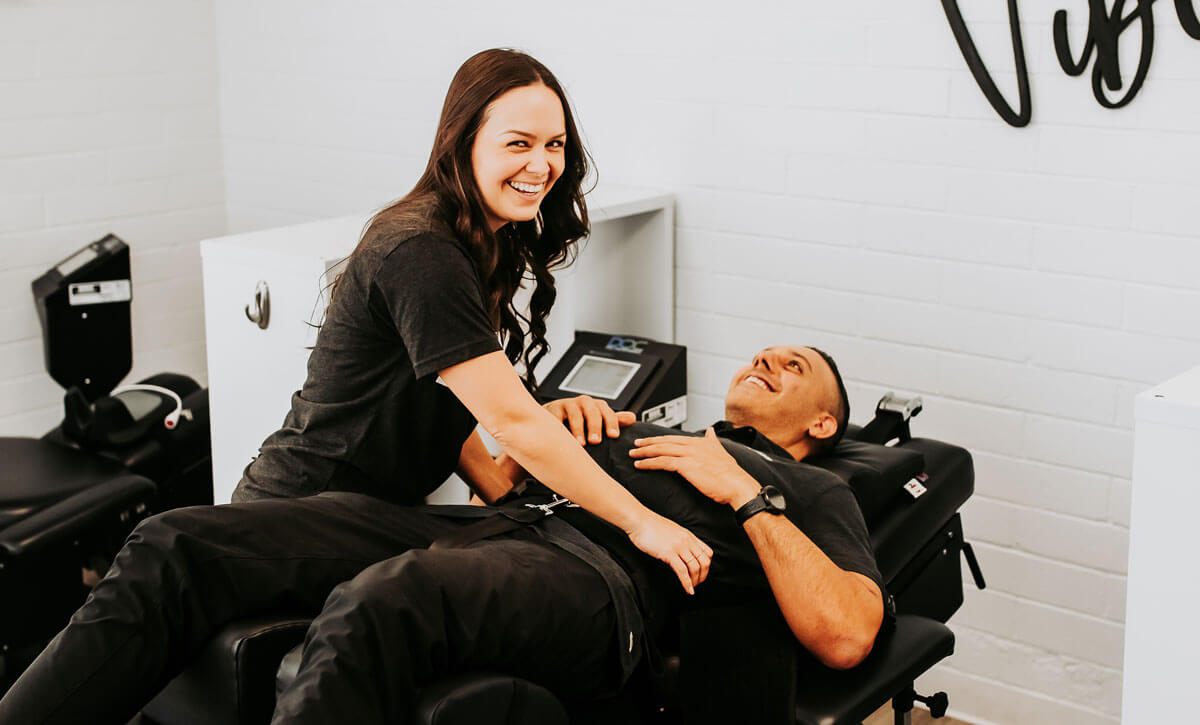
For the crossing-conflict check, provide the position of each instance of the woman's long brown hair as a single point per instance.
(447, 192)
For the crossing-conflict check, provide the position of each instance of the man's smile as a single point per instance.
(758, 381)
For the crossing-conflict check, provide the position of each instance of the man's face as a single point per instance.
(785, 393)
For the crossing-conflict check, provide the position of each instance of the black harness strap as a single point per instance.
(483, 529)
(509, 517)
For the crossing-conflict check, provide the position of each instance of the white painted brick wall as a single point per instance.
(108, 123)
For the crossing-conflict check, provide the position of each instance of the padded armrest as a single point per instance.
(487, 699)
(230, 680)
(479, 698)
(830, 696)
(63, 519)
(777, 682)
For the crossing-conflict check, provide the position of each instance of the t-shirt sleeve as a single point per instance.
(835, 524)
(435, 299)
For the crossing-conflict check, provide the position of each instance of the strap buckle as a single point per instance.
(547, 509)
(905, 407)
(892, 414)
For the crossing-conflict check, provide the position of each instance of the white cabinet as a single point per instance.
(623, 281)
(1162, 633)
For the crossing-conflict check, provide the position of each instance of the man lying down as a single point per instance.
(773, 522)
(565, 601)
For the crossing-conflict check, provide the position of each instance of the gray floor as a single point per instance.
(920, 716)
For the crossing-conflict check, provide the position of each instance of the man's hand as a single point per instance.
(589, 419)
(704, 462)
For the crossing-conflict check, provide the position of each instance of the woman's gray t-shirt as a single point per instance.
(372, 416)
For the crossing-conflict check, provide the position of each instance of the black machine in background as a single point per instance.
(83, 304)
(69, 498)
(644, 376)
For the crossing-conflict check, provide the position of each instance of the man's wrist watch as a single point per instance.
(769, 499)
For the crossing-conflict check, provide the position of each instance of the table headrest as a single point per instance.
(875, 473)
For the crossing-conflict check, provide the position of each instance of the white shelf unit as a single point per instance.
(1162, 633)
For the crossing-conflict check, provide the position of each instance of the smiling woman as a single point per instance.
(499, 198)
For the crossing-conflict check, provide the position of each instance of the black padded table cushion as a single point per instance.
(780, 682)
(903, 528)
(39, 473)
(229, 682)
(876, 473)
(829, 697)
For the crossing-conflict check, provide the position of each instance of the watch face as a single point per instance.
(774, 498)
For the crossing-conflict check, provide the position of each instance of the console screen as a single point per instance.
(599, 376)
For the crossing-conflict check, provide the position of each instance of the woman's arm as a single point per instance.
(536, 440)
(589, 420)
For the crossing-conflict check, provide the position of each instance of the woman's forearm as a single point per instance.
(548, 452)
(489, 387)
(537, 440)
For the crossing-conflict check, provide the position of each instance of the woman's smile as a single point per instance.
(526, 189)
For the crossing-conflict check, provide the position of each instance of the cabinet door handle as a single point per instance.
(259, 312)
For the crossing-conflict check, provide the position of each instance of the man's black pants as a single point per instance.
(393, 616)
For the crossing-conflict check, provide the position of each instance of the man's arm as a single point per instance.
(834, 613)
(489, 478)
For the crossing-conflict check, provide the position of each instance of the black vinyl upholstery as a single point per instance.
(877, 474)
(58, 507)
(38, 473)
(832, 697)
(58, 521)
(754, 642)
(910, 523)
(488, 699)
(66, 507)
(719, 678)
(230, 681)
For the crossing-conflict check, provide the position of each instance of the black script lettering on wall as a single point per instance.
(1104, 29)
(1024, 111)
(1103, 36)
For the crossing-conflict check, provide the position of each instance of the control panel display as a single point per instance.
(644, 377)
(599, 376)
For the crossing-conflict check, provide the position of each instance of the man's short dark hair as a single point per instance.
(840, 412)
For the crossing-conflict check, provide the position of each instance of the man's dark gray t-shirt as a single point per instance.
(372, 416)
(819, 503)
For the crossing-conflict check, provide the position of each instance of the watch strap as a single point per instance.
(758, 504)
(755, 505)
